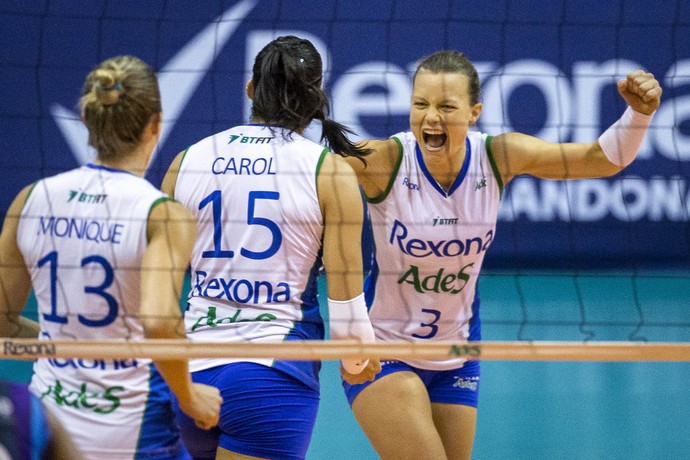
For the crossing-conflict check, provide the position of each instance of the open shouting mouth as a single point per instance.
(434, 141)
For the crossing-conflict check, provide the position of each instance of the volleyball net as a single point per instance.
(27, 350)
(580, 270)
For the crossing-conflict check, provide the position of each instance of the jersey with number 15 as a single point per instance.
(258, 253)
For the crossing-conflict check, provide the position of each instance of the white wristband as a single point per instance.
(349, 319)
(621, 141)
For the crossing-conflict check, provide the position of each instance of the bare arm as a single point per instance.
(522, 154)
(376, 174)
(343, 212)
(26, 328)
(15, 281)
(517, 154)
(170, 179)
(171, 232)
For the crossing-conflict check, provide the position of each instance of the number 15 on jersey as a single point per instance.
(215, 199)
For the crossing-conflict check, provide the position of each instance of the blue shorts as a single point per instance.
(265, 413)
(455, 386)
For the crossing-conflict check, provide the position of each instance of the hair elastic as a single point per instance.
(115, 87)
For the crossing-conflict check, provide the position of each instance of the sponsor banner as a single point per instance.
(548, 68)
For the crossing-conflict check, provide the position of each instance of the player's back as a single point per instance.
(83, 235)
(256, 259)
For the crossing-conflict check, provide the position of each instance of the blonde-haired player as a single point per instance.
(105, 253)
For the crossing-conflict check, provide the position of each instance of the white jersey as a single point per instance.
(429, 248)
(83, 234)
(257, 256)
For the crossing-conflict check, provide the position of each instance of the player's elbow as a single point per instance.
(161, 328)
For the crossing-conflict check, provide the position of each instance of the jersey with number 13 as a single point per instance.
(83, 235)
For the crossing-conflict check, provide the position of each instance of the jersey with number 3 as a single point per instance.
(258, 251)
(83, 235)
(429, 246)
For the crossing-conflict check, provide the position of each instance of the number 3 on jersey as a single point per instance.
(252, 219)
(433, 328)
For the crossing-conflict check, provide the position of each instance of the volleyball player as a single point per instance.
(106, 253)
(269, 204)
(433, 197)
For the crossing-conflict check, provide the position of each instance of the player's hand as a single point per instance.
(641, 91)
(368, 374)
(204, 405)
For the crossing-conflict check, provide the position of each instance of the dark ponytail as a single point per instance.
(335, 136)
(287, 79)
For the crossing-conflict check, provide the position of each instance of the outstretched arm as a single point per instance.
(517, 153)
(171, 232)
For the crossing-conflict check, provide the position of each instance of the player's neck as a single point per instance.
(445, 170)
(135, 161)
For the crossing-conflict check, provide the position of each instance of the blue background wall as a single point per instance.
(602, 260)
(548, 68)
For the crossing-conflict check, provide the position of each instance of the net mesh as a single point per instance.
(576, 261)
